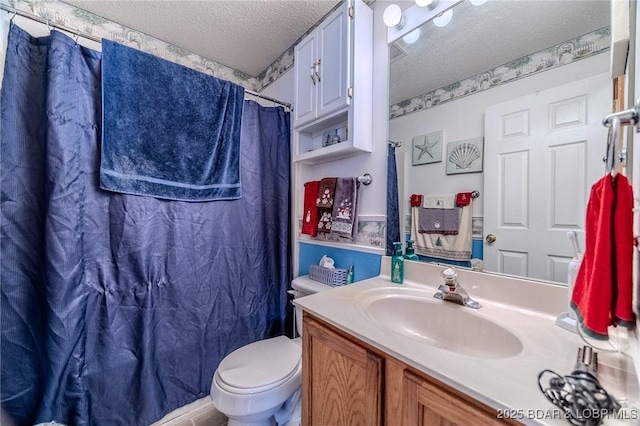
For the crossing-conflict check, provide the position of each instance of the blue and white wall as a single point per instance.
(365, 254)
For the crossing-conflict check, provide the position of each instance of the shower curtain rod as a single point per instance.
(78, 33)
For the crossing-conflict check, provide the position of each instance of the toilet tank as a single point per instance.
(304, 286)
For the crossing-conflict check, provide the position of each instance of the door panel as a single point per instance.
(333, 52)
(542, 154)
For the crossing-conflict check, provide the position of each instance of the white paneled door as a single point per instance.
(542, 154)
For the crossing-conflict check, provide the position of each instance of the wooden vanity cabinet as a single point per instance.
(427, 404)
(348, 382)
(341, 380)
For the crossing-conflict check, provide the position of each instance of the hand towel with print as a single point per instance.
(310, 212)
(463, 199)
(326, 192)
(324, 202)
(442, 201)
(450, 247)
(439, 221)
(345, 204)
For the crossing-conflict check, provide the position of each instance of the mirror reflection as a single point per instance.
(507, 100)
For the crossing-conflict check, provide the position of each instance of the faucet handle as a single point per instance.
(450, 277)
(444, 288)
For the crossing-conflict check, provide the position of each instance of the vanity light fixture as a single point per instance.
(392, 17)
(412, 37)
(443, 19)
(431, 4)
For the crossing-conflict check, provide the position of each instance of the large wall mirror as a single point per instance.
(523, 87)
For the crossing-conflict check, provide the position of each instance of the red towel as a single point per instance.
(416, 200)
(310, 213)
(463, 199)
(602, 294)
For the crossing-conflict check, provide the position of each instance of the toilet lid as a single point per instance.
(259, 366)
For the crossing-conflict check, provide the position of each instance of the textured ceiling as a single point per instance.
(246, 35)
(479, 38)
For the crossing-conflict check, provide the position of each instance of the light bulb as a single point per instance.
(443, 19)
(392, 16)
(476, 2)
(427, 3)
(412, 37)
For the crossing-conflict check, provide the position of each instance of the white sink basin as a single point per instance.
(414, 313)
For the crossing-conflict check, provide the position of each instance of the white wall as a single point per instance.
(281, 89)
(464, 119)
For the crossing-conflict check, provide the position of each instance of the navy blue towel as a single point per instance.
(168, 131)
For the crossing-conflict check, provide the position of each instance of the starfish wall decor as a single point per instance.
(427, 148)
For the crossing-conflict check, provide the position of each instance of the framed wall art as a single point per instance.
(465, 156)
(427, 148)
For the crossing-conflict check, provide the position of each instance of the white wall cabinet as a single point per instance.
(321, 65)
(333, 86)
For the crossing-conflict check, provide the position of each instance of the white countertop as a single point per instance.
(502, 383)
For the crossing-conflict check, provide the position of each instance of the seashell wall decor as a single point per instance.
(465, 156)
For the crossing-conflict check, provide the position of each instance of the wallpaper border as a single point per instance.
(90, 24)
(564, 53)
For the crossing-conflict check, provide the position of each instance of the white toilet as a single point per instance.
(259, 384)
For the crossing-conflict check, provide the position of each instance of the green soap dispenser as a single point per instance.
(397, 264)
(409, 253)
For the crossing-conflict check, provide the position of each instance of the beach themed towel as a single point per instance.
(168, 131)
(344, 214)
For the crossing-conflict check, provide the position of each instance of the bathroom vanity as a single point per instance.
(346, 381)
(377, 353)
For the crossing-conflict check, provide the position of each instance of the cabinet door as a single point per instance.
(305, 85)
(426, 404)
(341, 381)
(333, 51)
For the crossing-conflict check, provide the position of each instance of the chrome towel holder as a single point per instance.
(614, 121)
(365, 179)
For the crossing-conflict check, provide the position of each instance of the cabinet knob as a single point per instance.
(491, 238)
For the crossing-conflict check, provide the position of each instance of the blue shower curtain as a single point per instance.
(117, 309)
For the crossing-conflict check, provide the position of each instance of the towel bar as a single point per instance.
(365, 179)
(626, 117)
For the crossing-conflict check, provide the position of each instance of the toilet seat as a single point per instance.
(259, 366)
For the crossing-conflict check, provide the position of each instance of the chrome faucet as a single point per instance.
(452, 291)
